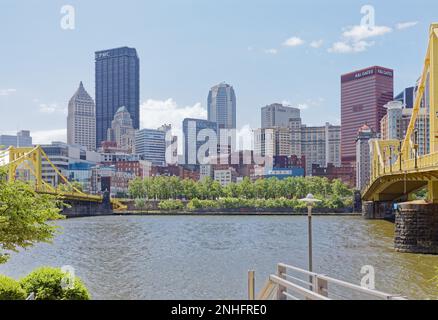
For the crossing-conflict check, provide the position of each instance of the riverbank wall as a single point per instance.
(231, 213)
(88, 209)
(153, 205)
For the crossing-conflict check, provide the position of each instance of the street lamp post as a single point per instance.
(310, 201)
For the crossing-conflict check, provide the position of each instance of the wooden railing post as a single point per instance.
(281, 271)
(251, 285)
(320, 286)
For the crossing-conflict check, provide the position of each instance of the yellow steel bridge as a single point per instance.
(397, 167)
(30, 159)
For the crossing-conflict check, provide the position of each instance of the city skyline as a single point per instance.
(163, 93)
(231, 151)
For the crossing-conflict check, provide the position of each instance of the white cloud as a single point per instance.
(358, 33)
(340, 47)
(316, 44)
(155, 113)
(7, 92)
(355, 38)
(271, 51)
(244, 137)
(302, 106)
(293, 42)
(405, 25)
(47, 108)
(308, 103)
(346, 47)
(51, 108)
(47, 136)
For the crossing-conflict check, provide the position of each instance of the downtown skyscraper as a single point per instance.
(117, 84)
(81, 119)
(221, 106)
(363, 96)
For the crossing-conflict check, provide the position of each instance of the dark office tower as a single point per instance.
(117, 84)
(363, 95)
(407, 97)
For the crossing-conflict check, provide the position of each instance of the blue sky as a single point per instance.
(270, 51)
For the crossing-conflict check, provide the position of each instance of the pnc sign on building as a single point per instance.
(101, 55)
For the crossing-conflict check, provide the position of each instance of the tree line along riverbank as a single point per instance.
(207, 195)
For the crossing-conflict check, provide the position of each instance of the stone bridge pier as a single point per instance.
(84, 208)
(376, 209)
(416, 227)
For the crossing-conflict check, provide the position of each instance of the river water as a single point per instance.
(207, 257)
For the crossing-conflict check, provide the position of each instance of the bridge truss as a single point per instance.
(397, 167)
(30, 159)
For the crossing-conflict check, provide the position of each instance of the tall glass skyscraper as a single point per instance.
(117, 84)
(222, 106)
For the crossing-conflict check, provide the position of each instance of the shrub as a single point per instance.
(209, 204)
(46, 283)
(194, 204)
(171, 205)
(11, 289)
(203, 204)
(230, 203)
(140, 203)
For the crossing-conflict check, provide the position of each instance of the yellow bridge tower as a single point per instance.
(398, 169)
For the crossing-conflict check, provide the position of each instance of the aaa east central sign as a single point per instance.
(367, 73)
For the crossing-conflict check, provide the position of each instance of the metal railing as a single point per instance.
(31, 296)
(292, 283)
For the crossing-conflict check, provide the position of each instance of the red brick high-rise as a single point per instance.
(363, 95)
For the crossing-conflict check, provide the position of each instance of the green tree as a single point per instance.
(204, 188)
(216, 190)
(24, 216)
(246, 189)
(148, 188)
(340, 189)
(136, 189)
(260, 189)
(175, 187)
(231, 190)
(292, 188)
(189, 189)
